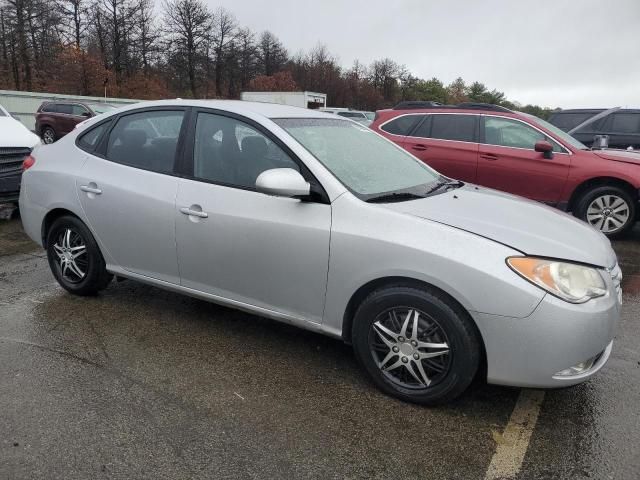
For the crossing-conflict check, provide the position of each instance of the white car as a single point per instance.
(16, 143)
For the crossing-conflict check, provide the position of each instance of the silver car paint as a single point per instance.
(132, 217)
(465, 258)
(218, 254)
(528, 226)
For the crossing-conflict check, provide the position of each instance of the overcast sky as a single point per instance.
(565, 53)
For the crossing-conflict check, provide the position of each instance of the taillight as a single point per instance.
(28, 162)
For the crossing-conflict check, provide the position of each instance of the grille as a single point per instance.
(616, 276)
(11, 158)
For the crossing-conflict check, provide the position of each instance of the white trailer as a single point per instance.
(311, 100)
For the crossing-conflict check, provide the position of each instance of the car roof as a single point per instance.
(452, 109)
(580, 110)
(595, 110)
(268, 110)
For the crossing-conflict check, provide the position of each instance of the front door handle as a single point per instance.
(489, 156)
(419, 147)
(194, 211)
(91, 188)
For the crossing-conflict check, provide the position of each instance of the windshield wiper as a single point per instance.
(394, 197)
(448, 183)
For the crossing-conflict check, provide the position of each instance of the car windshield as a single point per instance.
(99, 108)
(2, 112)
(362, 160)
(370, 115)
(561, 134)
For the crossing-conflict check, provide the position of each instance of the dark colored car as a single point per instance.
(621, 125)
(56, 119)
(520, 154)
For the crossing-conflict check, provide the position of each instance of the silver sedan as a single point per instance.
(317, 221)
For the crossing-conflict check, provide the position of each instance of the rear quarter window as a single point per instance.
(89, 140)
(401, 125)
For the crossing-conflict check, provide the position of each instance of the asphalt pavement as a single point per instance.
(141, 383)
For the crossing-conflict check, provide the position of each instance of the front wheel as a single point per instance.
(608, 208)
(416, 344)
(74, 257)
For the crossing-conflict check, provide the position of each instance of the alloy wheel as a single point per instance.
(48, 136)
(410, 348)
(608, 213)
(71, 251)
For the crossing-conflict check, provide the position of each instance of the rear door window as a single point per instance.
(146, 140)
(64, 108)
(461, 128)
(401, 125)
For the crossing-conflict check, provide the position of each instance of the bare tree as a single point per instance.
(75, 20)
(247, 55)
(146, 35)
(189, 22)
(272, 56)
(223, 33)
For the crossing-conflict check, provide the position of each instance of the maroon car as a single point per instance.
(56, 119)
(521, 154)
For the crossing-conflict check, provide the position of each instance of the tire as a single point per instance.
(88, 262)
(604, 207)
(441, 322)
(48, 135)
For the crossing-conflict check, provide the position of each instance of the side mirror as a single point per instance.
(283, 182)
(545, 148)
(85, 114)
(600, 142)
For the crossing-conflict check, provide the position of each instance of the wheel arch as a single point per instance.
(361, 293)
(599, 182)
(46, 125)
(51, 217)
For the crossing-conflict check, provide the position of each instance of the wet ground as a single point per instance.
(141, 383)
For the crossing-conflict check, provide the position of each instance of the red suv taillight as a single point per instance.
(28, 162)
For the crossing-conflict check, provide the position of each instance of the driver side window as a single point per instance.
(512, 133)
(231, 152)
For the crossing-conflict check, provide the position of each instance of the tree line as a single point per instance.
(124, 48)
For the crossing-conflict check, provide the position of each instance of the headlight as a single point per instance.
(568, 281)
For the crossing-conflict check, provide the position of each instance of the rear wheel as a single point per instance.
(608, 208)
(416, 344)
(74, 257)
(48, 135)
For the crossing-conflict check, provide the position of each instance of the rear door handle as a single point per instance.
(419, 147)
(194, 211)
(91, 188)
(489, 156)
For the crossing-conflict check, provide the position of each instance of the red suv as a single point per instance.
(56, 119)
(521, 154)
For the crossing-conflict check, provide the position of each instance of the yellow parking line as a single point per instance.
(514, 441)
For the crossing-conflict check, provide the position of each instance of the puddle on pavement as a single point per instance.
(13, 240)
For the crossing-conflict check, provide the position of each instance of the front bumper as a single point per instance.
(531, 351)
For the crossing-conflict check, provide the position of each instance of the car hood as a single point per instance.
(524, 225)
(632, 156)
(15, 134)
